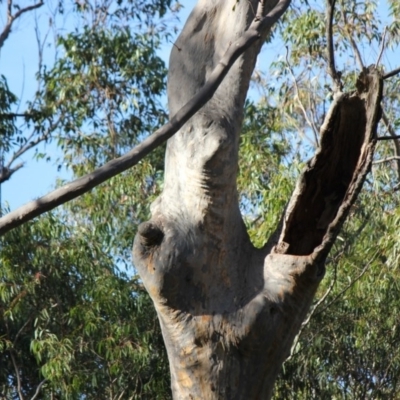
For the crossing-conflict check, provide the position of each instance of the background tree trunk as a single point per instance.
(229, 312)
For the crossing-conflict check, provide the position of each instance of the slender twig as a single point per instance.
(121, 395)
(22, 329)
(38, 389)
(11, 18)
(5, 172)
(15, 115)
(255, 32)
(386, 160)
(357, 278)
(308, 120)
(19, 386)
(391, 73)
(388, 137)
(353, 43)
(30, 143)
(395, 142)
(312, 312)
(382, 48)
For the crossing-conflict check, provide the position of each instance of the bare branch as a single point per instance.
(29, 320)
(323, 299)
(115, 167)
(330, 10)
(357, 278)
(391, 73)
(382, 48)
(308, 120)
(15, 115)
(19, 386)
(38, 389)
(311, 313)
(11, 18)
(395, 142)
(388, 159)
(5, 172)
(353, 43)
(388, 137)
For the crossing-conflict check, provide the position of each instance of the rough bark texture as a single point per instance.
(229, 312)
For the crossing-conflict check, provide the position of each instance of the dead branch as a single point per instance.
(5, 172)
(11, 18)
(121, 164)
(378, 60)
(391, 73)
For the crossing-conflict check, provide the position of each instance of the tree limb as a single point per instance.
(382, 48)
(386, 160)
(309, 121)
(330, 50)
(11, 18)
(391, 73)
(5, 173)
(388, 137)
(353, 44)
(115, 167)
(395, 142)
(38, 389)
(19, 386)
(357, 278)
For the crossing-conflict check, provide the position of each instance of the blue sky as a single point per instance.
(18, 62)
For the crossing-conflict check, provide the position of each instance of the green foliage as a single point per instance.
(8, 130)
(72, 319)
(348, 349)
(103, 91)
(74, 326)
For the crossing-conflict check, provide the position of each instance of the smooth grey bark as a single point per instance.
(229, 312)
(262, 22)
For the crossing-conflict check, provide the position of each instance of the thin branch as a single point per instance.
(82, 185)
(15, 115)
(323, 299)
(312, 312)
(391, 73)
(21, 330)
(395, 142)
(330, 10)
(386, 160)
(362, 273)
(11, 18)
(388, 137)
(382, 48)
(353, 43)
(29, 144)
(38, 389)
(19, 386)
(5, 173)
(309, 122)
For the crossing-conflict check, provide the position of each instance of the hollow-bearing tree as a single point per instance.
(229, 311)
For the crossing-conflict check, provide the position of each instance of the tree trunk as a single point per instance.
(229, 312)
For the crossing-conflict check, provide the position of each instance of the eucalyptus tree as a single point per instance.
(230, 311)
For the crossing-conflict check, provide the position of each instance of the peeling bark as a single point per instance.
(229, 312)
